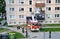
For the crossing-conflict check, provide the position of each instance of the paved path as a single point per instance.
(2, 22)
(14, 29)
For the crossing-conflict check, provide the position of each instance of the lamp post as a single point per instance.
(26, 32)
(49, 34)
(44, 35)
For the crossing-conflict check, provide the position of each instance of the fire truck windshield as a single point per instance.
(36, 24)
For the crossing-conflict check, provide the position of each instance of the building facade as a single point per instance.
(18, 10)
(52, 11)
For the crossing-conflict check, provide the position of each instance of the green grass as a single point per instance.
(18, 35)
(50, 29)
(1, 19)
(52, 24)
(3, 29)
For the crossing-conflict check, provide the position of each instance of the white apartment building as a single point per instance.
(18, 10)
(52, 11)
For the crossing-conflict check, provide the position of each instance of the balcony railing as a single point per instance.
(43, 12)
(40, 4)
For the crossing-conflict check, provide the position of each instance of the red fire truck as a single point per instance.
(35, 28)
(33, 24)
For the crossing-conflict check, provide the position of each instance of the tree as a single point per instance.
(2, 7)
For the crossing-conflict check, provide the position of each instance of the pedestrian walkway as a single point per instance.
(14, 29)
(3, 21)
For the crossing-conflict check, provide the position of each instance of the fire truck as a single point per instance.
(33, 24)
(35, 27)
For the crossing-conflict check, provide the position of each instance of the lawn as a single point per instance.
(3, 29)
(49, 29)
(52, 24)
(18, 35)
(1, 19)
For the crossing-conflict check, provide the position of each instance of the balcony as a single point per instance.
(40, 4)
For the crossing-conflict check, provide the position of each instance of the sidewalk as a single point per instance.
(3, 21)
(14, 29)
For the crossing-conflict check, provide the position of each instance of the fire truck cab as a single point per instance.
(35, 27)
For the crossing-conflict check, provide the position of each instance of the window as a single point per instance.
(57, 8)
(46, 21)
(10, 22)
(48, 15)
(14, 22)
(55, 21)
(48, 8)
(21, 16)
(48, 1)
(30, 9)
(59, 21)
(50, 21)
(30, 2)
(11, 9)
(57, 1)
(21, 9)
(56, 15)
(38, 10)
(19, 22)
(21, 1)
(11, 16)
(11, 1)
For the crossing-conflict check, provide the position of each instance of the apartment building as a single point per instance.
(19, 10)
(52, 11)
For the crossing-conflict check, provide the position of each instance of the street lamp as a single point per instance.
(26, 32)
(44, 35)
(49, 34)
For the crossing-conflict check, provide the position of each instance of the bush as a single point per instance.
(49, 29)
(1, 19)
(5, 24)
